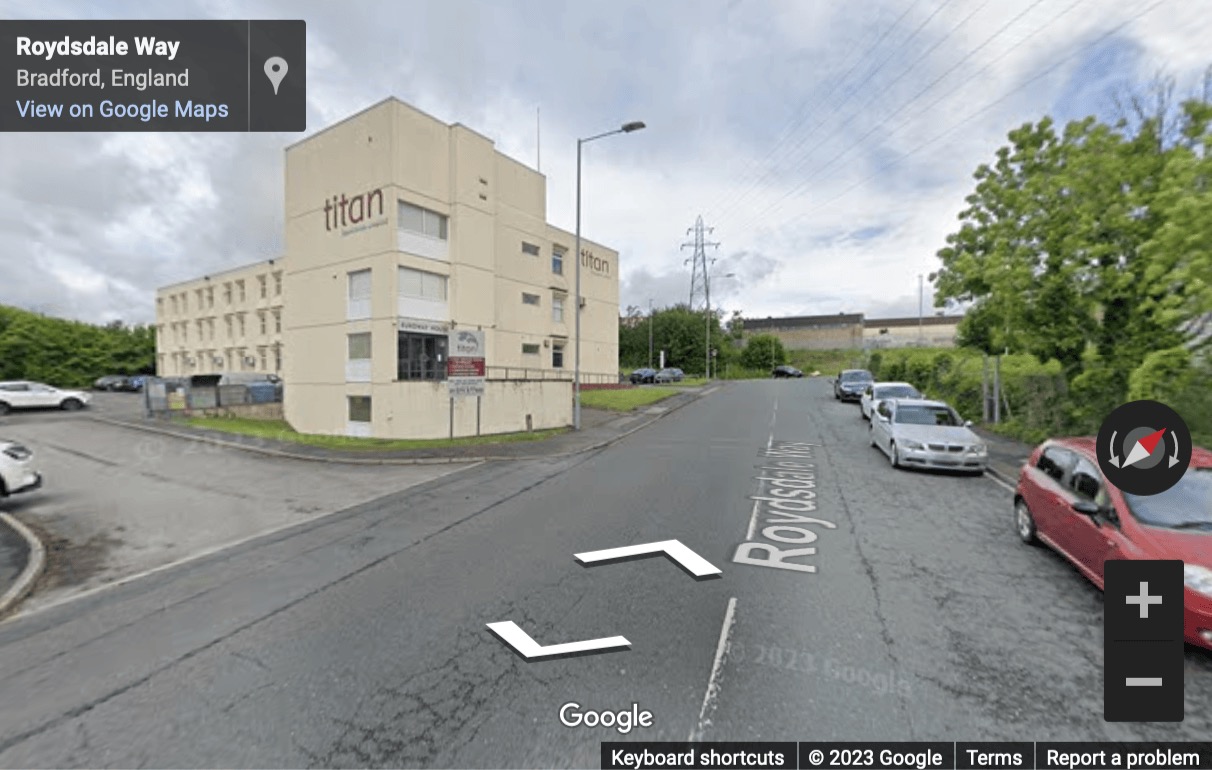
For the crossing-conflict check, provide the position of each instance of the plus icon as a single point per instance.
(1144, 600)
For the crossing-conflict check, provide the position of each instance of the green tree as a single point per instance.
(763, 351)
(70, 353)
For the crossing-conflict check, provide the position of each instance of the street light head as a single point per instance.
(634, 125)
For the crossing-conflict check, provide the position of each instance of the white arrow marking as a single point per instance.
(688, 559)
(1114, 457)
(1174, 459)
(518, 639)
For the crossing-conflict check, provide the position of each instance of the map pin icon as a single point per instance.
(275, 70)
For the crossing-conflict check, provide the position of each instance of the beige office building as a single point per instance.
(402, 230)
(226, 322)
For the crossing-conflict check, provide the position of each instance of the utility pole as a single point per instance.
(921, 308)
(700, 280)
(649, 334)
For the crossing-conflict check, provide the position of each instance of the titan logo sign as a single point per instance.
(346, 214)
(596, 264)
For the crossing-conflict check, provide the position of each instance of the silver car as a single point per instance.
(878, 391)
(916, 433)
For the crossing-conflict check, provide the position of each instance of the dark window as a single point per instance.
(530, 299)
(557, 356)
(530, 349)
(530, 248)
(557, 261)
(1085, 481)
(421, 356)
(1054, 462)
(359, 408)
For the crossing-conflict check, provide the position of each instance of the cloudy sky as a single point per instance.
(829, 144)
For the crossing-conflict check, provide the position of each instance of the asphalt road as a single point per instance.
(360, 639)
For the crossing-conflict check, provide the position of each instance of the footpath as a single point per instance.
(1006, 456)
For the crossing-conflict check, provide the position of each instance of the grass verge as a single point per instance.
(625, 400)
(279, 430)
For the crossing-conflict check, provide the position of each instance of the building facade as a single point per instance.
(402, 230)
(226, 322)
(853, 331)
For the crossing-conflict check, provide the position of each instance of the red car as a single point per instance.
(1063, 500)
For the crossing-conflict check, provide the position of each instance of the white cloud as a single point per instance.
(754, 113)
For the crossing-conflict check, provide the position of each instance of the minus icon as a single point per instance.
(1144, 681)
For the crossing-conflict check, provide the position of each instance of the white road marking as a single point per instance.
(528, 648)
(999, 482)
(752, 520)
(697, 565)
(713, 684)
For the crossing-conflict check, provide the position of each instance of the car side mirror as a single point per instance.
(967, 423)
(1087, 507)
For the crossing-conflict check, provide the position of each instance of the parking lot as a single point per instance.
(119, 502)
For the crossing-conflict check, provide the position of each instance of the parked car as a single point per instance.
(109, 382)
(641, 376)
(878, 391)
(17, 471)
(851, 383)
(666, 375)
(916, 433)
(1063, 501)
(786, 371)
(23, 394)
(678, 374)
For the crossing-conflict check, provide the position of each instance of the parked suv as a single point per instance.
(23, 394)
(17, 473)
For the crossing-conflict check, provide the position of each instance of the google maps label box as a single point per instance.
(135, 75)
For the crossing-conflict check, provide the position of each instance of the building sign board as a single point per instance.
(465, 363)
(422, 326)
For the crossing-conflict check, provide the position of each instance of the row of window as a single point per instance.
(418, 284)
(557, 256)
(178, 332)
(237, 359)
(419, 356)
(233, 291)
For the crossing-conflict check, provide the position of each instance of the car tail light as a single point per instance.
(1206, 634)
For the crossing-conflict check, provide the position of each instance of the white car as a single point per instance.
(23, 394)
(878, 391)
(916, 433)
(17, 473)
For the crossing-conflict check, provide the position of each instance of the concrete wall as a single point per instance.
(839, 337)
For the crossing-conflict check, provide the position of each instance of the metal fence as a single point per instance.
(566, 375)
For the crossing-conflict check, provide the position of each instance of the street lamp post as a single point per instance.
(626, 128)
(649, 334)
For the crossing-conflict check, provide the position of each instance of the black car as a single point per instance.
(641, 376)
(786, 371)
(851, 383)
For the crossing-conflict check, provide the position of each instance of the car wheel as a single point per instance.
(1024, 522)
(4, 408)
(70, 404)
(871, 434)
(894, 455)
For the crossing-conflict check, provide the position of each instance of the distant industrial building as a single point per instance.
(848, 331)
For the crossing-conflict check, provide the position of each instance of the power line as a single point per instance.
(795, 149)
(803, 184)
(978, 113)
(801, 115)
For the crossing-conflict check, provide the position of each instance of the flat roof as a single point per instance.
(928, 320)
(846, 319)
(219, 274)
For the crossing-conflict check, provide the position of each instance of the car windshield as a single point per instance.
(1186, 505)
(896, 391)
(926, 415)
(856, 377)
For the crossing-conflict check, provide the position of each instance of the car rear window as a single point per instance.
(897, 391)
(856, 376)
(926, 415)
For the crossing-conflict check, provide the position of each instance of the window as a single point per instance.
(241, 318)
(530, 299)
(357, 362)
(199, 295)
(264, 282)
(264, 360)
(359, 295)
(530, 248)
(415, 283)
(1085, 481)
(421, 356)
(557, 355)
(423, 221)
(184, 302)
(359, 408)
(277, 359)
(557, 308)
(264, 322)
(277, 321)
(229, 327)
(240, 287)
(530, 349)
(1054, 462)
(277, 284)
(210, 297)
(557, 261)
(227, 293)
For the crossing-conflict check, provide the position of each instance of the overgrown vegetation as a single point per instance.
(625, 399)
(70, 353)
(280, 430)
